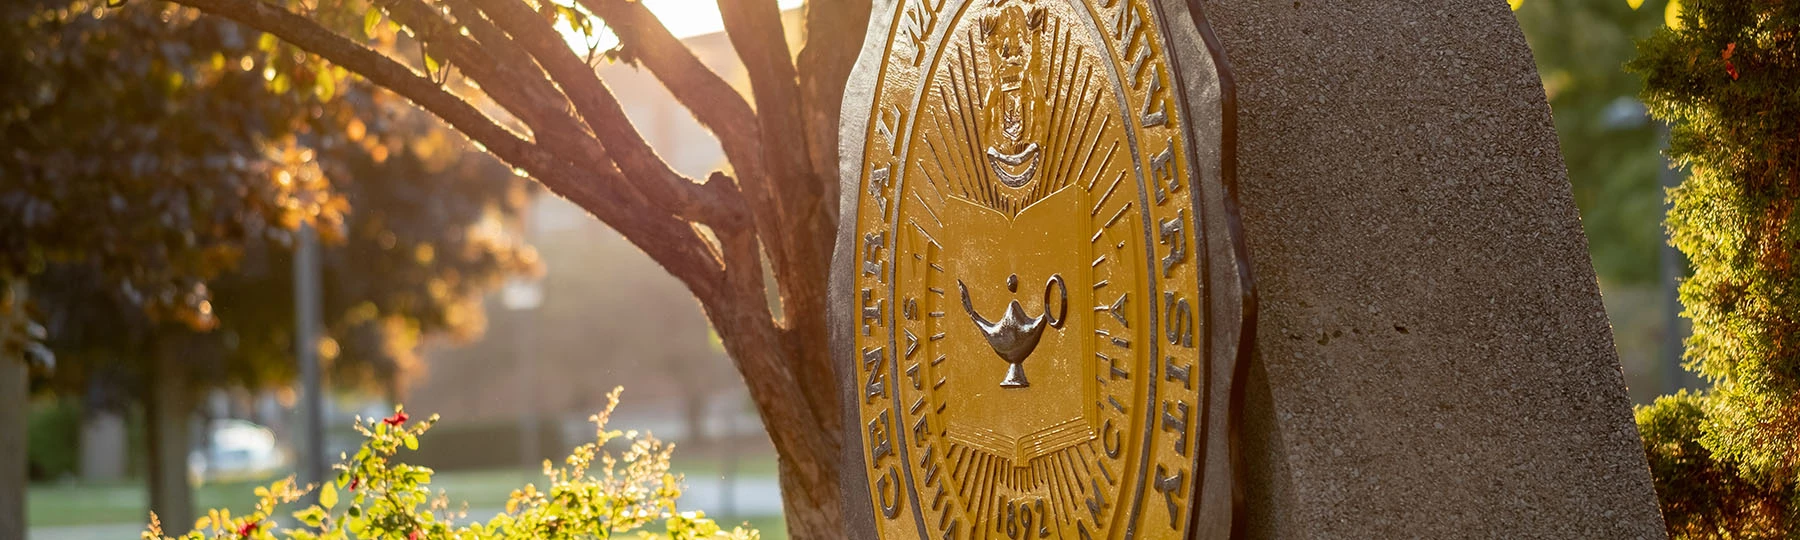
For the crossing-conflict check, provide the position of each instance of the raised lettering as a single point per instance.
(1179, 318)
(1177, 372)
(1113, 366)
(1137, 67)
(1126, 25)
(890, 502)
(921, 20)
(1170, 487)
(878, 180)
(1174, 235)
(1177, 424)
(931, 467)
(1162, 173)
(888, 122)
(878, 437)
(1155, 109)
(1113, 443)
(1096, 500)
(872, 246)
(1043, 519)
(871, 311)
(1117, 309)
(873, 359)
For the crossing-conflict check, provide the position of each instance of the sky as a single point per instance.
(685, 18)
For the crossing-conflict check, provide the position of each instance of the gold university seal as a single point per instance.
(1040, 296)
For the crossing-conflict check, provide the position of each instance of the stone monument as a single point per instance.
(1432, 357)
(1043, 299)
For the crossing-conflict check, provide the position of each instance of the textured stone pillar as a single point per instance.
(1434, 360)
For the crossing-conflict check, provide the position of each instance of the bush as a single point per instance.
(1726, 77)
(594, 494)
(1703, 496)
(53, 442)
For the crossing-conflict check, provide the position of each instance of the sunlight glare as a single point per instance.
(684, 18)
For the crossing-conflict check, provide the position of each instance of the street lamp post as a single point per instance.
(523, 297)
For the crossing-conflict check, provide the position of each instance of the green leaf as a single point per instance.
(431, 65)
(375, 17)
(328, 495)
(412, 443)
(312, 516)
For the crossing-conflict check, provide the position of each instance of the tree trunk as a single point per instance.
(811, 507)
(809, 485)
(168, 431)
(13, 431)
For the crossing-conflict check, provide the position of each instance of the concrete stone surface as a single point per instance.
(1434, 360)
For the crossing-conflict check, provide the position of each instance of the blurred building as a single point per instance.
(604, 314)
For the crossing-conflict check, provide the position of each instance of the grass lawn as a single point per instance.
(772, 527)
(89, 504)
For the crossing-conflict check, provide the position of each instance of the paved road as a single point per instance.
(750, 497)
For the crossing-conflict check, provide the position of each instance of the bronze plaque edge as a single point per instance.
(1231, 315)
(853, 123)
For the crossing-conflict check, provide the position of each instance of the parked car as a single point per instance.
(236, 450)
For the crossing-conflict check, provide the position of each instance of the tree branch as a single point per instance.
(715, 104)
(670, 241)
(754, 27)
(491, 37)
(740, 311)
(527, 95)
(834, 36)
(601, 111)
(792, 222)
(800, 243)
(522, 87)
